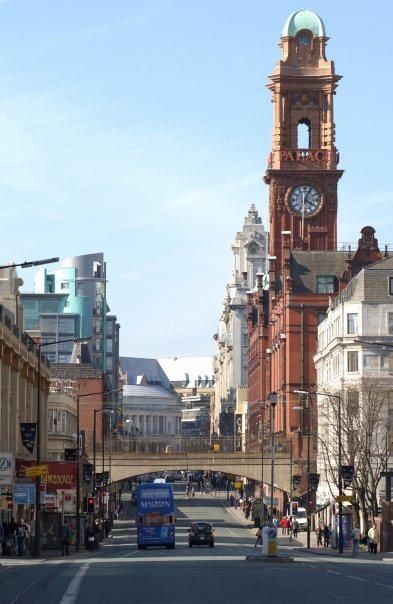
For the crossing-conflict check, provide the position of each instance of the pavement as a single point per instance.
(118, 571)
(300, 543)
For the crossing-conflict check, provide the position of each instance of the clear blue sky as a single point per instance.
(141, 129)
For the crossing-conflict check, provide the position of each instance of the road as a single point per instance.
(121, 573)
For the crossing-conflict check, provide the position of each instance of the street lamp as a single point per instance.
(307, 395)
(273, 403)
(340, 482)
(37, 549)
(26, 265)
(78, 503)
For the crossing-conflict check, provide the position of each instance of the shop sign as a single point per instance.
(238, 431)
(61, 474)
(6, 468)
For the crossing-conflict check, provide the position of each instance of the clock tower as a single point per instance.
(302, 171)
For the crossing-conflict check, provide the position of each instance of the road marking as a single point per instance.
(131, 554)
(27, 589)
(334, 572)
(358, 578)
(383, 585)
(71, 594)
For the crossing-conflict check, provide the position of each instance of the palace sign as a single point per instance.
(306, 155)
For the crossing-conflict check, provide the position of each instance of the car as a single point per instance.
(201, 533)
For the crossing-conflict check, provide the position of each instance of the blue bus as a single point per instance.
(156, 515)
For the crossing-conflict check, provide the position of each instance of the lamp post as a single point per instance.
(25, 265)
(37, 548)
(308, 507)
(78, 502)
(103, 411)
(339, 470)
(273, 403)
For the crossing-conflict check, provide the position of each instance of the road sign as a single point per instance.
(342, 498)
(36, 471)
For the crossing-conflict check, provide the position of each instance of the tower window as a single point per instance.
(304, 134)
(325, 284)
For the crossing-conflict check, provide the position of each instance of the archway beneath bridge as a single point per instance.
(247, 465)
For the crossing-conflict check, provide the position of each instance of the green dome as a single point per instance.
(303, 19)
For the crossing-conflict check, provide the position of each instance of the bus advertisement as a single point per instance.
(156, 515)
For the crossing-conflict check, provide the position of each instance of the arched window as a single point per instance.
(304, 134)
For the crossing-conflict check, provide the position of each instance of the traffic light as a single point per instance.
(90, 505)
(293, 508)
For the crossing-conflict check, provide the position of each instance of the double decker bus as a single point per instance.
(156, 515)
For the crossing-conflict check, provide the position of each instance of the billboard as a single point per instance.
(61, 474)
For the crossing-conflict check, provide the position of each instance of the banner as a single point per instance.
(102, 479)
(70, 454)
(238, 432)
(296, 478)
(6, 468)
(27, 434)
(314, 481)
(347, 475)
(87, 472)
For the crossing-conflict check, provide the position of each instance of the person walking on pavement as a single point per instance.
(65, 535)
(284, 525)
(258, 535)
(295, 528)
(90, 537)
(373, 539)
(319, 535)
(107, 528)
(326, 536)
(21, 536)
(355, 541)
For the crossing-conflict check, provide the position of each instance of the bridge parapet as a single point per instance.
(247, 465)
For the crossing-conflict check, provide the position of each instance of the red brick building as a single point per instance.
(305, 269)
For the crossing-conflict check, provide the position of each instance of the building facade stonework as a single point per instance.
(230, 364)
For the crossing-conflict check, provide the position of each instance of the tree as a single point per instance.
(365, 443)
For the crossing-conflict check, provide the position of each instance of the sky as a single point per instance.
(141, 129)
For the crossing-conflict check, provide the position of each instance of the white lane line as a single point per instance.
(71, 594)
(130, 554)
(383, 585)
(358, 578)
(312, 566)
(334, 572)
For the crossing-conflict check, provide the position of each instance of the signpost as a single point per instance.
(342, 498)
(36, 471)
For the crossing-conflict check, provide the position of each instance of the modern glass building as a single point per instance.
(70, 302)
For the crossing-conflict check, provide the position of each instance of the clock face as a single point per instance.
(305, 199)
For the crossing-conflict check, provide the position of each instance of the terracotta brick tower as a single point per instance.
(302, 174)
(305, 269)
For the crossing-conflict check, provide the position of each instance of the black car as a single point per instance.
(201, 533)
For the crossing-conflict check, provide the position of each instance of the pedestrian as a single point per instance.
(65, 534)
(295, 528)
(21, 535)
(326, 536)
(258, 535)
(107, 528)
(231, 500)
(319, 532)
(373, 539)
(355, 541)
(284, 525)
(90, 537)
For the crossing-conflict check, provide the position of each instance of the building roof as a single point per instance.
(382, 265)
(303, 19)
(306, 266)
(147, 392)
(188, 370)
(136, 367)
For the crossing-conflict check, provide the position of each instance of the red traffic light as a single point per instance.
(90, 504)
